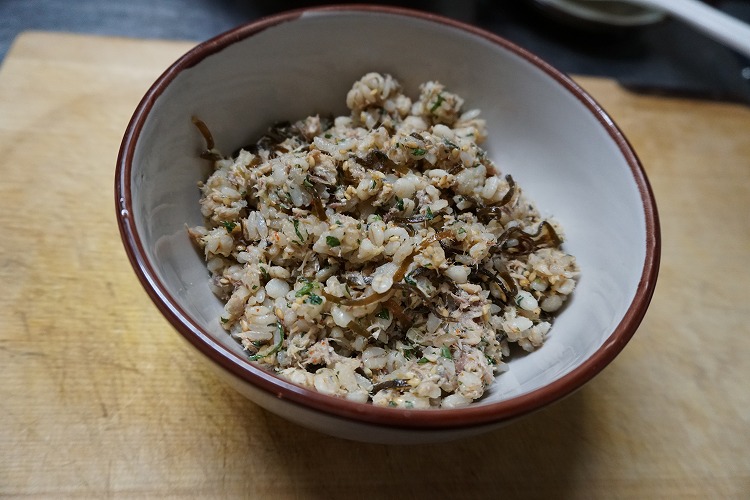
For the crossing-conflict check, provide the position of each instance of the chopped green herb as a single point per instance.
(491, 361)
(392, 403)
(373, 184)
(410, 280)
(384, 314)
(430, 215)
(422, 361)
(332, 241)
(400, 203)
(264, 273)
(409, 404)
(276, 348)
(296, 230)
(315, 299)
(229, 226)
(223, 319)
(408, 352)
(437, 104)
(461, 230)
(418, 151)
(450, 144)
(445, 352)
(307, 183)
(306, 289)
(327, 136)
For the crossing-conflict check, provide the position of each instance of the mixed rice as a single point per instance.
(380, 256)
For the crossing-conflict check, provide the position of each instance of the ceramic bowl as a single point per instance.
(600, 16)
(555, 140)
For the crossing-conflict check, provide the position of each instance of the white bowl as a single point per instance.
(549, 134)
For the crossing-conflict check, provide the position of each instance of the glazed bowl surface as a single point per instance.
(555, 140)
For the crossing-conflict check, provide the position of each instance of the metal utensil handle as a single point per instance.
(720, 26)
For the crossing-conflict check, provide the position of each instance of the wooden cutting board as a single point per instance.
(99, 397)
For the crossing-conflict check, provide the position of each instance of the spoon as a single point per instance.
(714, 23)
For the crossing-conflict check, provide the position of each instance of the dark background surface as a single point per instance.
(668, 58)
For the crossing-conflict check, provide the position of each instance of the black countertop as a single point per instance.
(668, 58)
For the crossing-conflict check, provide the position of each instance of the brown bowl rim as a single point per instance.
(466, 417)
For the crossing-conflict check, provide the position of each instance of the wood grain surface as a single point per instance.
(100, 398)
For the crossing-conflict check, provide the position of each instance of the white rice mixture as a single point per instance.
(380, 256)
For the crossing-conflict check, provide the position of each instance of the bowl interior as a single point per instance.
(553, 142)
